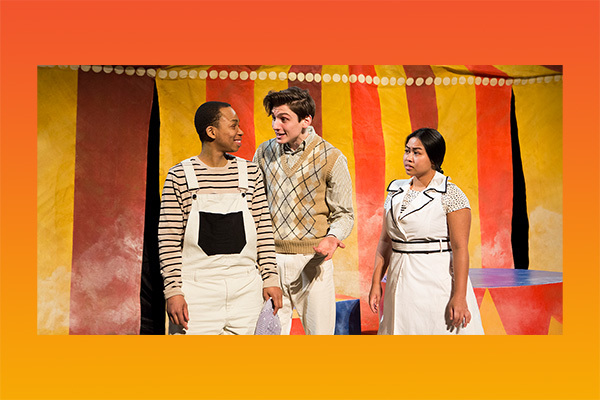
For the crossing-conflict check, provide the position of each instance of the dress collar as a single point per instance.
(439, 183)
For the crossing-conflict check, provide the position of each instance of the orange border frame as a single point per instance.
(332, 32)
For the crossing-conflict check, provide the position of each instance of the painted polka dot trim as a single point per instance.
(197, 73)
(119, 70)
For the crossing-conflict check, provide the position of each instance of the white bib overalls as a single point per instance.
(220, 280)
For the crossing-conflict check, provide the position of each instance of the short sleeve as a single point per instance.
(388, 201)
(454, 199)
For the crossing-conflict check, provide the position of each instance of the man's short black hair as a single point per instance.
(208, 114)
(298, 100)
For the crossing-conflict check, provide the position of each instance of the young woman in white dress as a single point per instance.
(424, 249)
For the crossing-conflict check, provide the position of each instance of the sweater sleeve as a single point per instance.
(339, 200)
(265, 245)
(258, 153)
(171, 228)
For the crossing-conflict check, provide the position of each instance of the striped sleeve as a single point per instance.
(171, 229)
(265, 245)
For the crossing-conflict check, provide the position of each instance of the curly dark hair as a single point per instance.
(298, 100)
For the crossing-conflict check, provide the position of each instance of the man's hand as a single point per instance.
(328, 246)
(177, 309)
(276, 294)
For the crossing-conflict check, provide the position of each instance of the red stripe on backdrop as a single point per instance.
(556, 68)
(240, 94)
(422, 101)
(369, 157)
(486, 70)
(315, 91)
(494, 169)
(527, 310)
(113, 114)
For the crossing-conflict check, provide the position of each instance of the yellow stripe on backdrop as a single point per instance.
(57, 116)
(337, 130)
(179, 98)
(395, 120)
(457, 122)
(452, 70)
(526, 71)
(262, 123)
(539, 119)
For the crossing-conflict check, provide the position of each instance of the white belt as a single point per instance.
(421, 246)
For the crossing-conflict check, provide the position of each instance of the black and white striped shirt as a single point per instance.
(176, 203)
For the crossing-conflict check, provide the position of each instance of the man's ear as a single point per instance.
(210, 132)
(306, 121)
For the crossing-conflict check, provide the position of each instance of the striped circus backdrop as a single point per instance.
(102, 160)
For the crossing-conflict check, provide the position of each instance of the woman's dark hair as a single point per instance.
(208, 114)
(434, 143)
(298, 100)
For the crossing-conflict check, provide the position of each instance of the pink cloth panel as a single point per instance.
(113, 114)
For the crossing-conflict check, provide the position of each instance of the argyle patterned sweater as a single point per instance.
(296, 194)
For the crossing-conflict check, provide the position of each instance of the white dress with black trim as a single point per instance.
(419, 277)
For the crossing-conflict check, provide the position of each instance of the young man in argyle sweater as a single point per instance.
(309, 191)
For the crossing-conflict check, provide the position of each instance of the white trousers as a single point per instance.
(227, 304)
(307, 284)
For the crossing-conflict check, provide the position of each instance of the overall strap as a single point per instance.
(190, 174)
(242, 174)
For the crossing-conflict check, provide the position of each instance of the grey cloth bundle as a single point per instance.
(268, 324)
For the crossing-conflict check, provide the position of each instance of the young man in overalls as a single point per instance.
(310, 198)
(215, 235)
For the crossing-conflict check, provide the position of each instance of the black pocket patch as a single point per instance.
(222, 233)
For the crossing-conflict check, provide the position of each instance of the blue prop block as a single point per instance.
(508, 277)
(347, 317)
